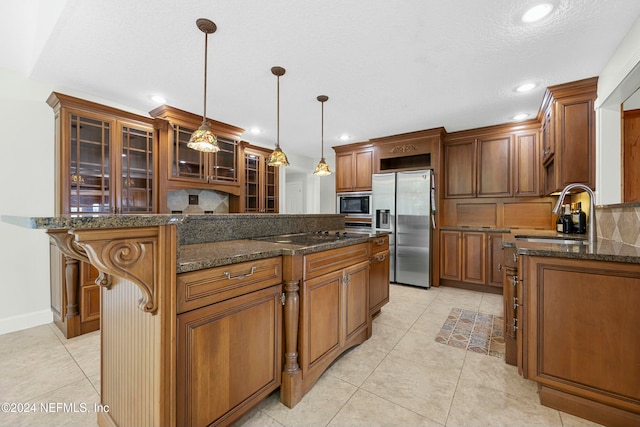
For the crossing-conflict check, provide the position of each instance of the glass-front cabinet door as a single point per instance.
(90, 141)
(252, 182)
(260, 181)
(189, 164)
(186, 162)
(138, 170)
(270, 188)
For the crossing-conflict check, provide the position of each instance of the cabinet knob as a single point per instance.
(515, 324)
(515, 303)
(499, 267)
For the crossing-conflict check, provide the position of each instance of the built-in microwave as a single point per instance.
(354, 204)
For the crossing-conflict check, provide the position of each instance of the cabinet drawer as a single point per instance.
(199, 288)
(379, 244)
(325, 262)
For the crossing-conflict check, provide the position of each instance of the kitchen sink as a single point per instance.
(553, 240)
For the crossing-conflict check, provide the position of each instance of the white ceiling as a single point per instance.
(387, 67)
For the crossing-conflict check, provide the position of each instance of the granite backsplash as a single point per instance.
(219, 228)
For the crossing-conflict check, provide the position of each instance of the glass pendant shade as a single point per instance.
(203, 139)
(277, 157)
(323, 168)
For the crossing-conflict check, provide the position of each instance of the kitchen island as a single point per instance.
(205, 315)
(572, 309)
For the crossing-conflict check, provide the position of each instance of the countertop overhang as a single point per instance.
(603, 250)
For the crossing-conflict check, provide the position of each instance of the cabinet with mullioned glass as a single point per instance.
(260, 181)
(105, 162)
(184, 168)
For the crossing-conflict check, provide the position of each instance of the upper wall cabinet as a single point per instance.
(354, 166)
(182, 168)
(568, 133)
(485, 164)
(105, 158)
(259, 181)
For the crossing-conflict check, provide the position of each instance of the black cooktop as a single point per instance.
(310, 238)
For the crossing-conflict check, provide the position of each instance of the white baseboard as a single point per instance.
(24, 321)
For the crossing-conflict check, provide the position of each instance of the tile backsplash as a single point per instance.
(207, 201)
(620, 223)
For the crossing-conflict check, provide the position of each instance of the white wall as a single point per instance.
(619, 79)
(26, 188)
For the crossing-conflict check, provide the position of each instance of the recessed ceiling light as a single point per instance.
(158, 99)
(344, 137)
(520, 116)
(255, 130)
(526, 87)
(536, 13)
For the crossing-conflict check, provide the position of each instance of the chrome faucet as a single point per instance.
(591, 227)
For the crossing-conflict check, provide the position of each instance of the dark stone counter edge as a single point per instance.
(481, 229)
(278, 249)
(134, 220)
(629, 259)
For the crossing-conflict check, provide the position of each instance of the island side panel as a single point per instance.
(137, 323)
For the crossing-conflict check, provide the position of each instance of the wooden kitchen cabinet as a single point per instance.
(568, 133)
(184, 168)
(260, 181)
(473, 257)
(354, 167)
(106, 164)
(460, 167)
(334, 306)
(510, 300)
(582, 333)
(526, 164)
(495, 166)
(500, 162)
(378, 274)
(474, 247)
(229, 348)
(494, 260)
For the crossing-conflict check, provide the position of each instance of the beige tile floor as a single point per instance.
(399, 377)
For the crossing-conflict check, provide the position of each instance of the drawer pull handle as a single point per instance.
(380, 242)
(240, 276)
(381, 257)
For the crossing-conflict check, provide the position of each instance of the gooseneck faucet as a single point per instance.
(591, 227)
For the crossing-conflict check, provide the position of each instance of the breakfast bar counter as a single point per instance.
(202, 316)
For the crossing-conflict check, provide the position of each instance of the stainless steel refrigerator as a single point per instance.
(403, 204)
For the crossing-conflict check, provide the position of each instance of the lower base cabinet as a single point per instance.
(471, 257)
(379, 274)
(580, 339)
(229, 353)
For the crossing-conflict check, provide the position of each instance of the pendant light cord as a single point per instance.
(322, 140)
(206, 42)
(278, 118)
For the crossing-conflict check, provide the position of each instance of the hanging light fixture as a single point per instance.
(203, 139)
(323, 168)
(277, 157)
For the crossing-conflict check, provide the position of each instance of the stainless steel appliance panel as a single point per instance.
(413, 231)
(383, 201)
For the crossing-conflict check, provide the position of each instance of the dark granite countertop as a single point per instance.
(63, 222)
(481, 229)
(206, 241)
(604, 250)
(207, 255)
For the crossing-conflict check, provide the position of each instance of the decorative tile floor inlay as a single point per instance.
(473, 331)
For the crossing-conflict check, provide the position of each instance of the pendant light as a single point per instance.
(277, 157)
(323, 168)
(203, 139)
